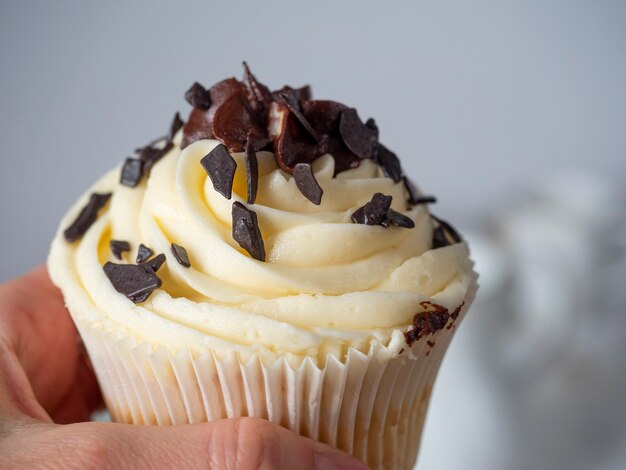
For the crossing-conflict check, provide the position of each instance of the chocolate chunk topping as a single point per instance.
(252, 170)
(259, 96)
(439, 238)
(414, 198)
(150, 155)
(374, 212)
(118, 247)
(358, 137)
(221, 168)
(432, 319)
(143, 253)
(441, 233)
(177, 124)
(292, 103)
(389, 163)
(371, 124)
(246, 231)
(307, 184)
(137, 282)
(132, 171)
(180, 253)
(198, 96)
(87, 217)
(155, 263)
(397, 219)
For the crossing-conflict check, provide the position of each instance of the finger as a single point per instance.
(242, 444)
(36, 326)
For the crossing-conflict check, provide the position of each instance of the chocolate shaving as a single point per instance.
(150, 155)
(137, 282)
(155, 263)
(246, 231)
(439, 238)
(396, 218)
(374, 212)
(432, 319)
(292, 103)
(175, 126)
(180, 253)
(371, 124)
(252, 170)
(143, 253)
(454, 315)
(86, 217)
(389, 163)
(307, 184)
(198, 96)
(414, 197)
(259, 96)
(441, 233)
(358, 137)
(220, 167)
(118, 247)
(132, 171)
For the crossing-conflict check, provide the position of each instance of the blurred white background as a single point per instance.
(512, 113)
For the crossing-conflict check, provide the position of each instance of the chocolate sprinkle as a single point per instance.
(180, 253)
(246, 231)
(307, 184)
(374, 212)
(118, 247)
(132, 171)
(398, 219)
(221, 168)
(432, 319)
(358, 137)
(198, 96)
(252, 170)
(155, 263)
(389, 163)
(137, 282)
(87, 217)
(441, 233)
(177, 124)
(414, 197)
(292, 103)
(143, 253)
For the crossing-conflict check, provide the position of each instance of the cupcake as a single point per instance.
(269, 258)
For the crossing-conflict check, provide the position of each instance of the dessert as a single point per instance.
(268, 257)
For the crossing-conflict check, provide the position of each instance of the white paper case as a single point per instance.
(370, 405)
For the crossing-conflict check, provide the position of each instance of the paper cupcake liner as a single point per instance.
(370, 405)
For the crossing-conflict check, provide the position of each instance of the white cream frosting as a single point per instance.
(327, 284)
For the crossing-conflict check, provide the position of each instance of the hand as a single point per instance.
(45, 379)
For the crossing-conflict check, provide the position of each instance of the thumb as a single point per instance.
(239, 443)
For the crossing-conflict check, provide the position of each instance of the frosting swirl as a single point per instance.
(327, 284)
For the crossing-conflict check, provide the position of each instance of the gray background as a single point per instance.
(481, 99)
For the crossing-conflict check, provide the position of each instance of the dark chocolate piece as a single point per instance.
(372, 125)
(307, 184)
(432, 319)
(87, 217)
(252, 170)
(221, 168)
(450, 230)
(292, 103)
(180, 253)
(118, 247)
(155, 263)
(198, 96)
(389, 163)
(374, 212)
(258, 95)
(137, 282)
(454, 315)
(398, 219)
(439, 238)
(358, 137)
(132, 171)
(431, 344)
(414, 197)
(151, 155)
(246, 231)
(177, 124)
(143, 253)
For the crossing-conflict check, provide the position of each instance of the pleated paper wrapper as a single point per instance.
(370, 405)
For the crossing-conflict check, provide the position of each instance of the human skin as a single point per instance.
(48, 391)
